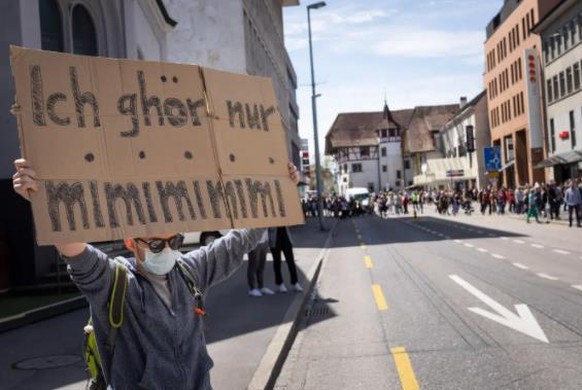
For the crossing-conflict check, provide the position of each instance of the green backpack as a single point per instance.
(116, 306)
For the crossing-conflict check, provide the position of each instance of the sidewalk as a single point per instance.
(248, 337)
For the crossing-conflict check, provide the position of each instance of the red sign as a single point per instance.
(564, 134)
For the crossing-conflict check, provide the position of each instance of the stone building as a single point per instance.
(241, 36)
(112, 28)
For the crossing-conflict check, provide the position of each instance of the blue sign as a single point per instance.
(492, 158)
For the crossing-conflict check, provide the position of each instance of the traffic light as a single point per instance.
(305, 162)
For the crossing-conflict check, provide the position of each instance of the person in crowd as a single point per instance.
(573, 199)
(159, 306)
(256, 268)
(534, 200)
(280, 241)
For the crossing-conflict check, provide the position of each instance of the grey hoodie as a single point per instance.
(158, 347)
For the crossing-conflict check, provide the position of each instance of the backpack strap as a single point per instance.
(117, 303)
(188, 275)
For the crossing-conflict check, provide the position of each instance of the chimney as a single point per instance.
(463, 102)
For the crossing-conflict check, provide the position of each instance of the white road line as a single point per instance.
(497, 256)
(519, 242)
(449, 237)
(546, 276)
(458, 241)
(504, 238)
(482, 250)
(479, 231)
(561, 252)
(537, 246)
(469, 245)
(577, 286)
(519, 265)
(491, 235)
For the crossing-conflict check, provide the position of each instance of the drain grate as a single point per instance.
(319, 311)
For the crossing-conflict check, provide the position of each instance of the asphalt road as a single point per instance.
(466, 302)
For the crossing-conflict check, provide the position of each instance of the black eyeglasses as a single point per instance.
(156, 245)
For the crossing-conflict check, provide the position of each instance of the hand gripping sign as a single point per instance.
(127, 148)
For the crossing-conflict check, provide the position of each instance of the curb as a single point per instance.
(271, 364)
(42, 313)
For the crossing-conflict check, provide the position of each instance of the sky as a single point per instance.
(409, 52)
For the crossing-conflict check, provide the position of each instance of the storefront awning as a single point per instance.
(560, 159)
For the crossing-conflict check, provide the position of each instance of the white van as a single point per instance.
(203, 238)
(360, 194)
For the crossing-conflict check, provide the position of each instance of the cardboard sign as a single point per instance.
(131, 148)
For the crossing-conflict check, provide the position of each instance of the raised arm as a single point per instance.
(24, 182)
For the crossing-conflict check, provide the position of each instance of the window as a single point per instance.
(356, 168)
(576, 76)
(84, 35)
(572, 130)
(364, 151)
(383, 152)
(384, 168)
(399, 174)
(345, 179)
(552, 135)
(406, 164)
(569, 79)
(562, 84)
(51, 28)
(383, 133)
(549, 91)
(556, 88)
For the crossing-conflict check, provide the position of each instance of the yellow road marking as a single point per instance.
(368, 261)
(405, 371)
(363, 246)
(379, 297)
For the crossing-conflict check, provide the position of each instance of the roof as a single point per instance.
(426, 119)
(359, 128)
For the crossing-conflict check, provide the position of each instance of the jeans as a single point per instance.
(574, 209)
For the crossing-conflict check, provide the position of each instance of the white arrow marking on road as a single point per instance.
(523, 322)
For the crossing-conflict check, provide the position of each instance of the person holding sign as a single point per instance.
(161, 343)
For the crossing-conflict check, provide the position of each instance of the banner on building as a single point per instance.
(533, 97)
(129, 148)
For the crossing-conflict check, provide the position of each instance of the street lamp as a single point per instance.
(314, 111)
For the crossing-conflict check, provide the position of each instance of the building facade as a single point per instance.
(367, 149)
(462, 141)
(420, 142)
(240, 36)
(561, 35)
(514, 90)
(111, 28)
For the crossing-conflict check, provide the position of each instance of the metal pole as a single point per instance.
(315, 136)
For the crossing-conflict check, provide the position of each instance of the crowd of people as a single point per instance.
(543, 202)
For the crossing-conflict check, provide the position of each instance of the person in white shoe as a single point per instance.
(280, 241)
(256, 268)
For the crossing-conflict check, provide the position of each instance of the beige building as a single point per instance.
(514, 89)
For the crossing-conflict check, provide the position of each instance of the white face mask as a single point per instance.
(160, 263)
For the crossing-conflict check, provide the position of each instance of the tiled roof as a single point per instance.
(425, 119)
(359, 128)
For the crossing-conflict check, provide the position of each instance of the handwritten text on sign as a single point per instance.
(128, 148)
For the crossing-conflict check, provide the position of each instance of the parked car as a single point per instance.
(203, 238)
